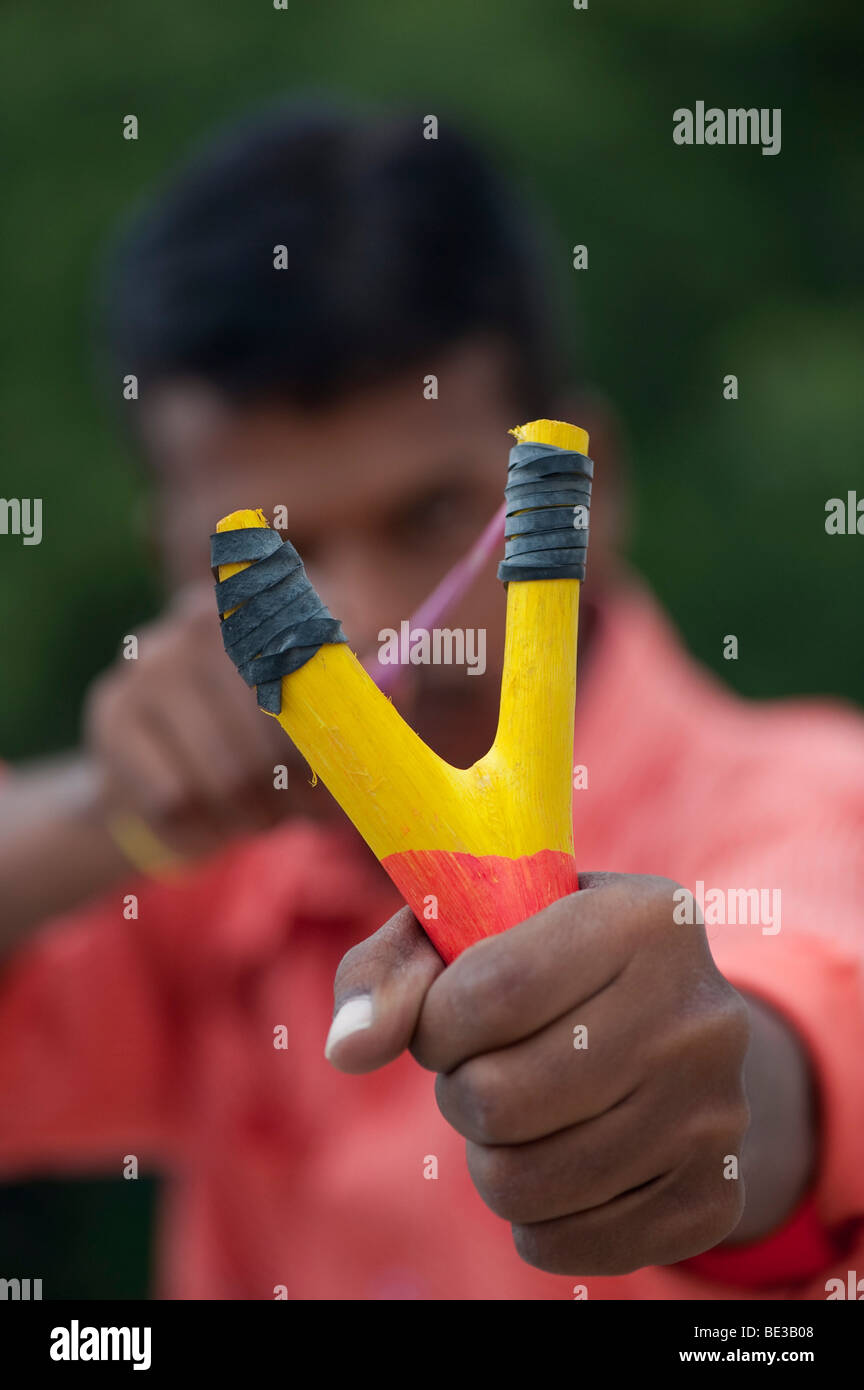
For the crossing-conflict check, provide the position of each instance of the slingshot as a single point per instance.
(475, 850)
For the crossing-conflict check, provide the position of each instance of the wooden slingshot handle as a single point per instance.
(476, 850)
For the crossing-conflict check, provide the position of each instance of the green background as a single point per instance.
(703, 261)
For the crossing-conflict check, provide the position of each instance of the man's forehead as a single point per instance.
(374, 446)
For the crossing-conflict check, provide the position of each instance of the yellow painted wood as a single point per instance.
(516, 800)
(553, 432)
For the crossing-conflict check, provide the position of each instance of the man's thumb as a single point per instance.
(379, 991)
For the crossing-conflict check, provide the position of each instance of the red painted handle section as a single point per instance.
(459, 899)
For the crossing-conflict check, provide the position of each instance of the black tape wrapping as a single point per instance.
(280, 622)
(544, 484)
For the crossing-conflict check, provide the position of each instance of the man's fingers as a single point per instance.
(379, 991)
(509, 986)
(574, 1169)
(678, 1215)
(212, 766)
(581, 1066)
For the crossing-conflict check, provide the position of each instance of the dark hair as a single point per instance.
(397, 246)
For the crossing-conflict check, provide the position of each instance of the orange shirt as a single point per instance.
(154, 1036)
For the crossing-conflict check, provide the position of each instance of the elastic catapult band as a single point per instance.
(485, 846)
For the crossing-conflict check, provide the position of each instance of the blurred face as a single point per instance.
(383, 492)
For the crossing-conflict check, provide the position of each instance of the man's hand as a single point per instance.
(173, 738)
(177, 738)
(592, 1057)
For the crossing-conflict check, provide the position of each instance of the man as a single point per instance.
(281, 307)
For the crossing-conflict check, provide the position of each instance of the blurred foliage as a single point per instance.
(703, 261)
(84, 1239)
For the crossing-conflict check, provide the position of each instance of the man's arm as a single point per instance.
(172, 739)
(55, 849)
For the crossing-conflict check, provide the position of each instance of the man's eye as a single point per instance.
(444, 510)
